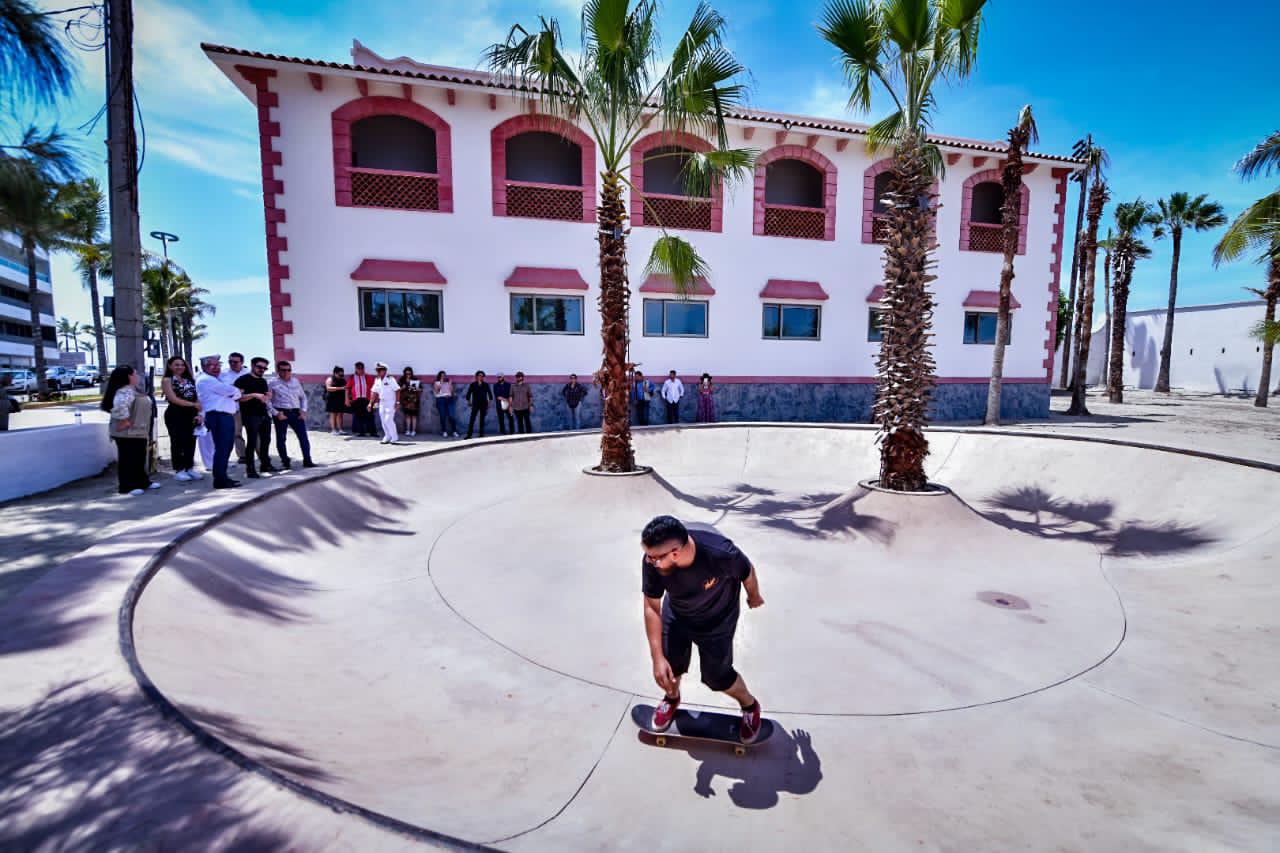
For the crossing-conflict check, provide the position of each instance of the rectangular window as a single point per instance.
(672, 318)
(400, 310)
(792, 322)
(546, 315)
(874, 316)
(980, 328)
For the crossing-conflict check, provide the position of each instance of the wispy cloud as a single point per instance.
(246, 285)
(228, 157)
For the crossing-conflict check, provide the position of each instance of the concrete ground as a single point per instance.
(1075, 650)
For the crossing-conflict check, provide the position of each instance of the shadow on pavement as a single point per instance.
(1031, 509)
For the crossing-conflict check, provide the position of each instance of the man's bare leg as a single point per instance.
(738, 690)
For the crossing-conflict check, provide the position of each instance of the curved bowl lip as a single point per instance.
(931, 490)
(168, 710)
(638, 471)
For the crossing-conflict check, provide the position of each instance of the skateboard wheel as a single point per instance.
(739, 750)
(662, 741)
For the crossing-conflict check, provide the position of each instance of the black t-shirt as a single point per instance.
(704, 597)
(250, 384)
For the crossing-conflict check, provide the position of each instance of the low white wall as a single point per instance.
(42, 458)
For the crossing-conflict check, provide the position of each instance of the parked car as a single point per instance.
(59, 378)
(86, 376)
(20, 381)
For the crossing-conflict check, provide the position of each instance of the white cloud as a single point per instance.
(827, 99)
(232, 158)
(245, 285)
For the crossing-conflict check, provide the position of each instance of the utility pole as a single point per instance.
(122, 186)
(1080, 149)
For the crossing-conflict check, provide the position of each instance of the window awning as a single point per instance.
(785, 288)
(546, 277)
(988, 299)
(876, 294)
(408, 272)
(663, 284)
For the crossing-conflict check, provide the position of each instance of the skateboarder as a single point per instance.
(700, 573)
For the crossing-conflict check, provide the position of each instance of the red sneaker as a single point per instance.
(664, 713)
(750, 728)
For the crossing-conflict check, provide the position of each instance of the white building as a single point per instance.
(1212, 348)
(15, 306)
(429, 216)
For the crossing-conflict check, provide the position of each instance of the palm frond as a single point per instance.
(535, 62)
(34, 62)
(1027, 122)
(1266, 332)
(964, 19)
(1256, 228)
(887, 132)
(1262, 159)
(851, 27)
(679, 260)
(701, 171)
(909, 24)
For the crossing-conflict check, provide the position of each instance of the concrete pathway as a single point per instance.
(1075, 650)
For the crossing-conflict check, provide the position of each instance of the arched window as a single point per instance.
(981, 213)
(391, 153)
(795, 194)
(875, 183)
(658, 194)
(543, 168)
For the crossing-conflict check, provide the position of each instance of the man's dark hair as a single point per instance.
(259, 360)
(238, 355)
(664, 528)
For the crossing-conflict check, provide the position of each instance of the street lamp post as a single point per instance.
(165, 239)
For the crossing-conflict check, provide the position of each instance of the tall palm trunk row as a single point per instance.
(616, 454)
(1098, 195)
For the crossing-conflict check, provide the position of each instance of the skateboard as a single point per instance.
(700, 725)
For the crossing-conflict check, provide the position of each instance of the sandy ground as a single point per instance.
(39, 532)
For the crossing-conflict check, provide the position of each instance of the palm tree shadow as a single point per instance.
(1031, 509)
(818, 515)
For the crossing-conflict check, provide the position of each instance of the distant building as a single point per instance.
(426, 216)
(1212, 348)
(15, 306)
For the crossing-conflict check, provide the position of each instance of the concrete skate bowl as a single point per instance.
(452, 642)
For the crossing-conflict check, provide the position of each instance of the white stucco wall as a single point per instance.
(477, 251)
(42, 458)
(1212, 349)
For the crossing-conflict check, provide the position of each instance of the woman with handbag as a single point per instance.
(130, 425)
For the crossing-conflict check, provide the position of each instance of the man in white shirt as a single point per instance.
(672, 391)
(385, 394)
(220, 402)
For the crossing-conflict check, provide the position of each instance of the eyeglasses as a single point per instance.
(284, 370)
(661, 558)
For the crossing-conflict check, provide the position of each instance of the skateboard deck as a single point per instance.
(700, 725)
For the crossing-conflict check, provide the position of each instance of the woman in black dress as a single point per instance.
(181, 417)
(335, 399)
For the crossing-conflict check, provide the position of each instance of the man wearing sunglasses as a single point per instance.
(692, 581)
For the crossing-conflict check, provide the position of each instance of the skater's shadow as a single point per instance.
(786, 763)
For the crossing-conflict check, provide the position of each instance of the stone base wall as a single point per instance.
(813, 403)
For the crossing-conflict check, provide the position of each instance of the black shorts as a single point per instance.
(715, 652)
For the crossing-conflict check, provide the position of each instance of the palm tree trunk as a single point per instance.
(100, 339)
(1012, 184)
(37, 334)
(1076, 249)
(1115, 372)
(186, 336)
(1106, 303)
(1272, 296)
(1166, 348)
(616, 452)
(1084, 325)
(905, 365)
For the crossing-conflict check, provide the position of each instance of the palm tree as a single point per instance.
(163, 291)
(1098, 196)
(33, 207)
(1131, 217)
(1258, 228)
(189, 306)
(1141, 251)
(34, 67)
(69, 331)
(1096, 163)
(615, 85)
(88, 215)
(906, 46)
(1020, 136)
(1177, 213)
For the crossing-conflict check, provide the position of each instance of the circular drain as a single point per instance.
(1004, 600)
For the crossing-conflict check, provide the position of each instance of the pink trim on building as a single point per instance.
(380, 105)
(966, 207)
(273, 212)
(550, 124)
(988, 299)
(876, 294)
(663, 284)
(869, 196)
(1055, 268)
(657, 140)
(407, 272)
(549, 278)
(784, 288)
(807, 155)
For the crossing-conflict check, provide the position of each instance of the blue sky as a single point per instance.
(1176, 92)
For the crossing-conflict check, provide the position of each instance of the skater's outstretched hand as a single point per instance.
(664, 676)
(754, 600)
